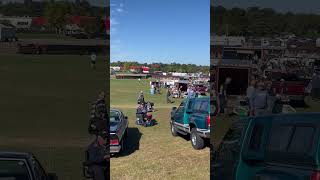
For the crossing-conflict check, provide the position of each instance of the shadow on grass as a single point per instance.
(131, 143)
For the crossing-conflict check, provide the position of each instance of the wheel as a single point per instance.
(196, 141)
(173, 130)
(122, 146)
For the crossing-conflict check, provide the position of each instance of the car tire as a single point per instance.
(196, 141)
(126, 133)
(173, 130)
(122, 146)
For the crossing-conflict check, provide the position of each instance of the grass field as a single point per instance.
(152, 152)
(45, 108)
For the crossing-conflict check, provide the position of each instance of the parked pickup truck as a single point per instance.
(192, 117)
(118, 130)
(22, 166)
(278, 147)
(294, 86)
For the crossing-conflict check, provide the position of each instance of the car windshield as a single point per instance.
(114, 116)
(13, 170)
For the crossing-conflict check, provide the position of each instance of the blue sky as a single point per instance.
(160, 31)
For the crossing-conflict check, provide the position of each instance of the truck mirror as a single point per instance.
(174, 108)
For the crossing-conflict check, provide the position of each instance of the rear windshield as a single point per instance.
(201, 106)
(292, 144)
(114, 116)
(13, 170)
(291, 139)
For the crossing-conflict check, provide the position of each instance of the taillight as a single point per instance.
(315, 175)
(208, 121)
(114, 141)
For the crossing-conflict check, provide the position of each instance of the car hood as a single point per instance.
(114, 126)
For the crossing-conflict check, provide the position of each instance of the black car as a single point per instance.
(22, 166)
(118, 130)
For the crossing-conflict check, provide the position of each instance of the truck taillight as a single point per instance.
(315, 175)
(208, 120)
(114, 141)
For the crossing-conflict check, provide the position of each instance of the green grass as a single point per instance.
(45, 108)
(153, 152)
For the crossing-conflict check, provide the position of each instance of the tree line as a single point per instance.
(39, 8)
(56, 12)
(173, 67)
(255, 21)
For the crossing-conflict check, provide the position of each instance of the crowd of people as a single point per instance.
(261, 97)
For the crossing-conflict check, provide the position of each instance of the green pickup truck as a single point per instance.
(275, 147)
(192, 117)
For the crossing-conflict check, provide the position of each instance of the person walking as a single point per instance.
(168, 95)
(223, 95)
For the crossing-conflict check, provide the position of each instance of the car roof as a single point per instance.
(114, 109)
(294, 114)
(12, 154)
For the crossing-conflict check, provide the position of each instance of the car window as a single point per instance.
(229, 149)
(279, 138)
(14, 169)
(302, 140)
(181, 107)
(197, 105)
(40, 173)
(256, 138)
(201, 106)
(190, 104)
(204, 106)
(114, 116)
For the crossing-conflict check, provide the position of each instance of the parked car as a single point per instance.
(22, 166)
(278, 147)
(295, 86)
(192, 117)
(118, 130)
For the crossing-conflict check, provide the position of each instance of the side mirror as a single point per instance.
(174, 108)
(126, 117)
(52, 176)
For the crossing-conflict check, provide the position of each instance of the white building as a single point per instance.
(115, 68)
(228, 40)
(21, 23)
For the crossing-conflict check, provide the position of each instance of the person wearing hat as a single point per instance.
(98, 157)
